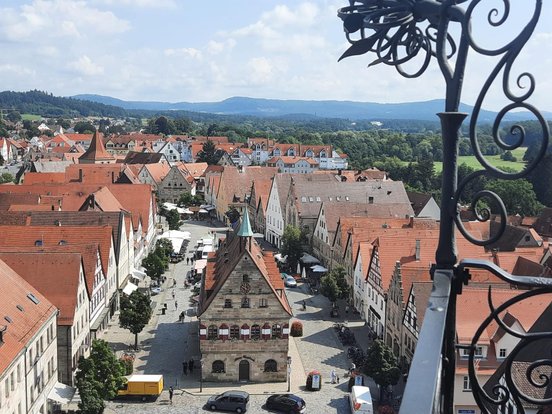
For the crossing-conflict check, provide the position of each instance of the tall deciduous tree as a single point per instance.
(381, 365)
(173, 218)
(99, 377)
(292, 245)
(155, 266)
(518, 196)
(333, 285)
(135, 313)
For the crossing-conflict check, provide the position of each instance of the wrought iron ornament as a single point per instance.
(412, 33)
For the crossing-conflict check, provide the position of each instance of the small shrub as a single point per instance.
(128, 363)
(296, 329)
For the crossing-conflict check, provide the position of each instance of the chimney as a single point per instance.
(80, 175)
(2, 330)
(113, 177)
(417, 249)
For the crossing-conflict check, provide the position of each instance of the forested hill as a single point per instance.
(48, 105)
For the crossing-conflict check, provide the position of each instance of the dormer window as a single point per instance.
(38, 243)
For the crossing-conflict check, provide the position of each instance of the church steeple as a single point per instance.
(96, 152)
(245, 228)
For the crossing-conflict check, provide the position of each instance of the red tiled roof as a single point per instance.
(25, 324)
(96, 151)
(55, 275)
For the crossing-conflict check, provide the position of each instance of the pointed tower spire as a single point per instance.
(245, 228)
(96, 152)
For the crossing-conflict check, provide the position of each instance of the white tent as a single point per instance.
(129, 288)
(308, 259)
(318, 269)
(138, 274)
(177, 234)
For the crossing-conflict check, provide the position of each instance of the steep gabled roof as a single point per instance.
(25, 324)
(96, 151)
(222, 263)
(55, 275)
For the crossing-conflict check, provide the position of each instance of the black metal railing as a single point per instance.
(400, 32)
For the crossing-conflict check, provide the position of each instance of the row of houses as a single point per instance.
(293, 158)
(70, 244)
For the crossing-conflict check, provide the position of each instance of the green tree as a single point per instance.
(173, 218)
(381, 365)
(135, 313)
(292, 245)
(155, 266)
(333, 285)
(163, 125)
(6, 178)
(185, 199)
(208, 153)
(518, 196)
(98, 377)
(84, 127)
(64, 123)
(163, 247)
(13, 116)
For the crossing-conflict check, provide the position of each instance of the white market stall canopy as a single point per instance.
(308, 259)
(319, 269)
(207, 207)
(129, 288)
(138, 274)
(278, 257)
(176, 238)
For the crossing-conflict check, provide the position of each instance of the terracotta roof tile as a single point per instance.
(54, 275)
(25, 324)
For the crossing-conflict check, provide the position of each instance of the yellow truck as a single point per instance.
(145, 386)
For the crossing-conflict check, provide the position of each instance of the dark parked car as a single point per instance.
(287, 403)
(237, 401)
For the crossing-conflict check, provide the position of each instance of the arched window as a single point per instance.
(212, 332)
(270, 366)
(276, 331)
(218, 367)
(256, 332)
(234, 332)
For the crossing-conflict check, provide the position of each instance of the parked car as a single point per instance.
(155, 290)
(290, 281)
(287, 403)
(237, 401)
(284, 275)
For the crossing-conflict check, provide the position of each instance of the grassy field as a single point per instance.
(31, 117)
(495, 160)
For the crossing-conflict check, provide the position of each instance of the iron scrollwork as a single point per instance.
(413, 32)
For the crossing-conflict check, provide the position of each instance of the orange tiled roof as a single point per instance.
(55, 275)
(51, 236)
(96, 151)
(25, 324)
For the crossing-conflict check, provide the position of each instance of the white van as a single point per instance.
(361, 400)
(206, 250)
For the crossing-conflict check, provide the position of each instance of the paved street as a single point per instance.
(166, 343)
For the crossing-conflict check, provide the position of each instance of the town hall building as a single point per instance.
(243, 313)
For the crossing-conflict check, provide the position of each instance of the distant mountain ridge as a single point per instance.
(323, 109)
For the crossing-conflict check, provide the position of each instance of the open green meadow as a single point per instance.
(495, 160)
(31, 117)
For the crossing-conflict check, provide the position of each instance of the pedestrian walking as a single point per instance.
(182, 317)
(332, 376)
(187, 260)
(191, 365)
(173, 294)
(176, 305)
(171, 392)
(185, 368)
(346, 308)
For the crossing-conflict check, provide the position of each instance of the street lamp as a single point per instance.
(408, 35)
(289, 373)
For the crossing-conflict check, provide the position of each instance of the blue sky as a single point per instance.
(182, 50)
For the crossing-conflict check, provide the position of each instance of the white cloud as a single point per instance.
(214, 47)
(261, 70)
(85, 66)
(185, 51)
(43, 19)
(158, 4)
(305, 14)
